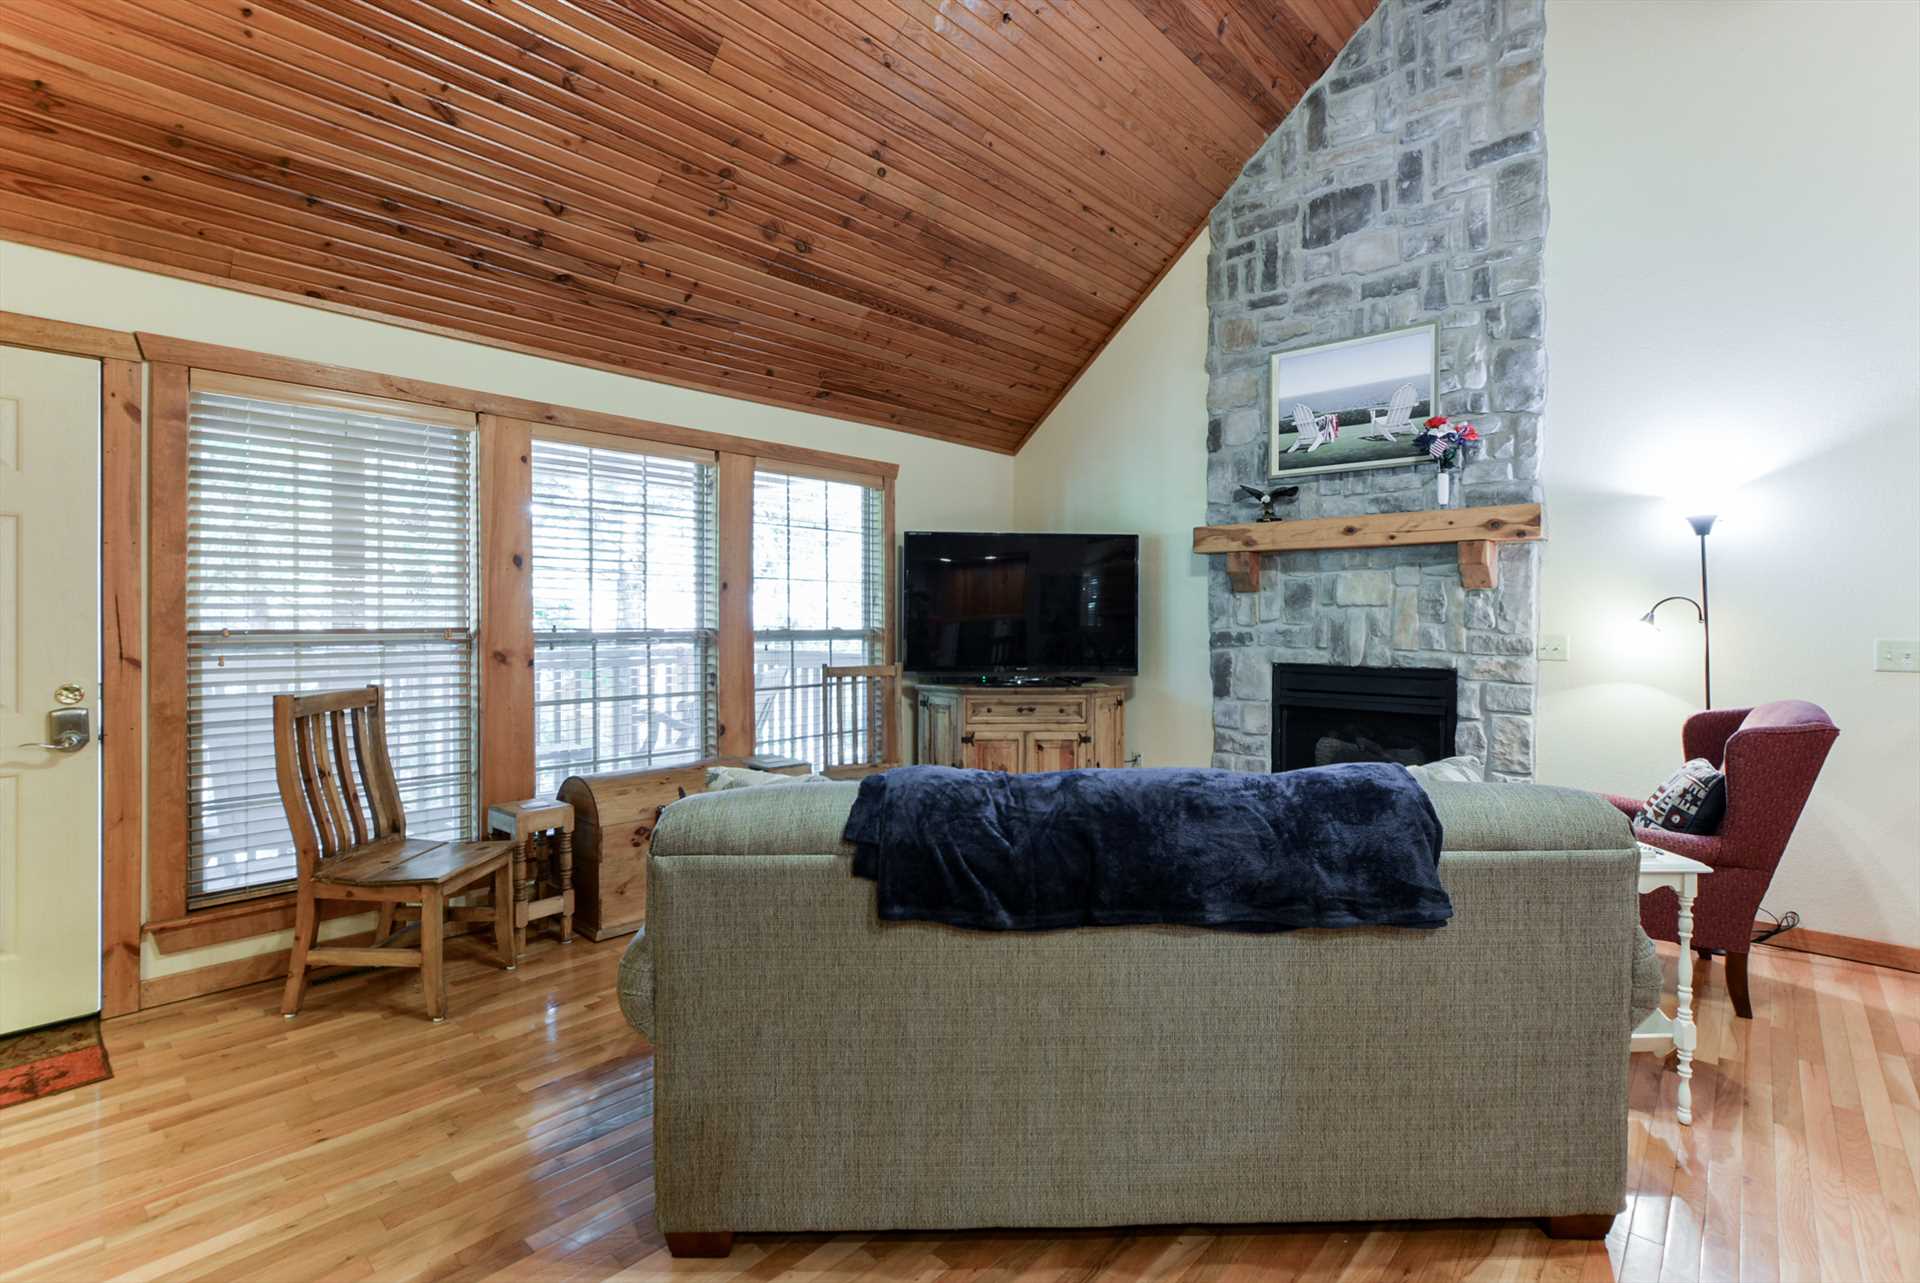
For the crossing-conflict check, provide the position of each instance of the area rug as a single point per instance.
(52, 1059)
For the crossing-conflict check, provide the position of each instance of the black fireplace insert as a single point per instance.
(1327, 713)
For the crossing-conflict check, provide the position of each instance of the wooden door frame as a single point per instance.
(121, 711)
(122, 742)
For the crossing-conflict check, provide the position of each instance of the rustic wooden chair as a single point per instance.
(330, 755)
(859, 697)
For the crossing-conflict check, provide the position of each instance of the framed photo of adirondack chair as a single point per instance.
(1355, 403)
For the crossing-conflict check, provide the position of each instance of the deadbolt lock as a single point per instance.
(70, 694)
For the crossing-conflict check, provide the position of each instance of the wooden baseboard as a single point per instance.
(182, 985)
(1827, 944)
(598, 933)
(241, 972)
(238, 922)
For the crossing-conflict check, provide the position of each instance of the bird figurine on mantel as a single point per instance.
(1268, 497)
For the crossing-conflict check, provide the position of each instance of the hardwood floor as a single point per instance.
(513, 1142)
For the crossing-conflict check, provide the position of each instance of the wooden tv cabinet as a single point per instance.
(1020, 728)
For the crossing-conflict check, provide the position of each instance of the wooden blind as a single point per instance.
(625, 607)
(819, 598)
(330, 543)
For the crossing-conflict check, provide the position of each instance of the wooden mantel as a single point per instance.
(1478, 531)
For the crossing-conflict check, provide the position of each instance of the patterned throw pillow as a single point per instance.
(1693, 800)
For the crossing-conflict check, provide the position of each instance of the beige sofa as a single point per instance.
(817, 1070)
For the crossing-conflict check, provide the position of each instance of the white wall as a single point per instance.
(940, 485)
(1733, 306)
(1124, 452)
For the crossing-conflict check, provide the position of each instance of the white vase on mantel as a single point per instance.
(1443, 489)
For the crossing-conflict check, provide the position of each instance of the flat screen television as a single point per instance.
(1006, 604)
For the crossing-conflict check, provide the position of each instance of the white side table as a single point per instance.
(1660, 1032)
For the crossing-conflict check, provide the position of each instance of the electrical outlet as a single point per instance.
(1896, 656)
(1553, 646)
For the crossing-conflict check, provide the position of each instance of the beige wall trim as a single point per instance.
(20, 330)
(213, 381)
(239, 920)
(230, 360)
(613, 441)
(253, 969)
(1828, 944)
(871, 481)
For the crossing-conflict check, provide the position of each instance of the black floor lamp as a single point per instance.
(1702, 526)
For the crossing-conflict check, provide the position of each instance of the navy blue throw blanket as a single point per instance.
(1352, 845)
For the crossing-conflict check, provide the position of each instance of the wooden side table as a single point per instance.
(542, 833)
(1660, 1032)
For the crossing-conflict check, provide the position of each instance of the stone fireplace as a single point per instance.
(1408, 187)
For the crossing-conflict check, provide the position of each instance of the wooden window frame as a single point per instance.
(866, 480)
(173, 894)
(630, 445)
(506, 427)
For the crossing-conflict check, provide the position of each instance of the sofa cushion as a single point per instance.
(1526, 817)
(634, 986)
(758, 821)
(1649, 979)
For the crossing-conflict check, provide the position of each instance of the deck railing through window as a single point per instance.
(819, 600)
(330, 543)
(625, 601)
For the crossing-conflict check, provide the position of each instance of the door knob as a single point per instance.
(71, 742)
(69, 730)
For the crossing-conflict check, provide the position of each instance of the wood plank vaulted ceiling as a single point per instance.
(924, 216)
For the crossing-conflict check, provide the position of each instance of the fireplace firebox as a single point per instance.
(1327, 713)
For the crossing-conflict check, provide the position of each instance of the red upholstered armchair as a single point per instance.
(1771, 755)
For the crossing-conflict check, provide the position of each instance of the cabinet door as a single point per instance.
(1055, 751)
(994, 751)
(1109, 731)
(937, 732)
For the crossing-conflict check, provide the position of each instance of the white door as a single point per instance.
(49, 654)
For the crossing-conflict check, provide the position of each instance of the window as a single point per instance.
(330, 544)
(819, 598)
(625, 609)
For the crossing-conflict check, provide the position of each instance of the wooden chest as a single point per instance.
(613, 819)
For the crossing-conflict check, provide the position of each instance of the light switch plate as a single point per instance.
(1553, 646)
(1896, 656)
